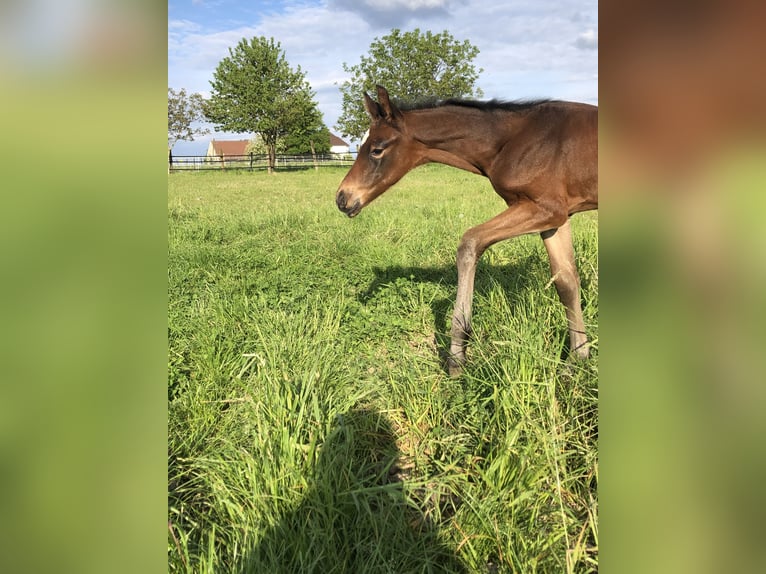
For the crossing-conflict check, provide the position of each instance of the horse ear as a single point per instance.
(390, 111)
(372, 107)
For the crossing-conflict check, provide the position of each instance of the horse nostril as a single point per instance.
(340, 201)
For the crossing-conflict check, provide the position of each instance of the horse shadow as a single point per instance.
(356, 515)
(516, 278)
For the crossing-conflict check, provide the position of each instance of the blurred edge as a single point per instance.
(82, 411)
(83, 252)
(683, 264)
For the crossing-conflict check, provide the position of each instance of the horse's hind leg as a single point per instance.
(558, 243)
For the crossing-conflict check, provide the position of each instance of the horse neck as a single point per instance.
(460, 137)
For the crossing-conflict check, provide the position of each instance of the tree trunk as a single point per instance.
(314, 156)
(272, 157)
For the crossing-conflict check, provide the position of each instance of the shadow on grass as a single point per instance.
(515, 279)
(356, 517)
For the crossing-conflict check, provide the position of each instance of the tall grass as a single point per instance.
(312, 427)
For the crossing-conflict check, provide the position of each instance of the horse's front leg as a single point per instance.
(520, 218)
(467, 258)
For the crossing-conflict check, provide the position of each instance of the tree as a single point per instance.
(256, 91)
(316, 141)
(183, 111)
(257, 147)
(312, 137)
(411, 65)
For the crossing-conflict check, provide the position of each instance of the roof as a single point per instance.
(238, 147)
(335, 140)
(229, 147)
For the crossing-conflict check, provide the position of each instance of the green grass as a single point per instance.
(312, 427)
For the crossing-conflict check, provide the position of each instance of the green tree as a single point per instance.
(313, 142)
(254, 90)
(183, 111)
(312, 137)
(411, 65)
(257, 147)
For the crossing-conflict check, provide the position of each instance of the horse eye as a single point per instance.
(377, 152)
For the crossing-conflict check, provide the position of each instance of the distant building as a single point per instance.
(337, 145)
(227, 148)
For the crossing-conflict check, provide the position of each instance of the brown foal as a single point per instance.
(541, 158)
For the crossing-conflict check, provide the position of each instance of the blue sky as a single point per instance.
(528, 48)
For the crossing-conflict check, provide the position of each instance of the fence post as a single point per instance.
(170, 160)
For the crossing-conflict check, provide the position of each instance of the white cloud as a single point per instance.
(588, 40)
(187, 25)
(395, 13)
(407, 4)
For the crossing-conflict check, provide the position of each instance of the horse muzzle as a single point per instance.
(346, 206)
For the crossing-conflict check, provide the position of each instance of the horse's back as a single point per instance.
(551, 155)
(580, 151)
(568, 131)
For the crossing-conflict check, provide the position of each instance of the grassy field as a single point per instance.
(312, 427)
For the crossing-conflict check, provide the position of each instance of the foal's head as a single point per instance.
(386, 155)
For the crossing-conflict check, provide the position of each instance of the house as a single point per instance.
(227, 148)
(337, 145)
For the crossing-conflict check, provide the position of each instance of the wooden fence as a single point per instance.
(252, 162)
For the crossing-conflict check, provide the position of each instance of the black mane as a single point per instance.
(487, 106)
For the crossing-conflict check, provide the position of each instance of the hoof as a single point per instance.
(454, 367)
(582, 352)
